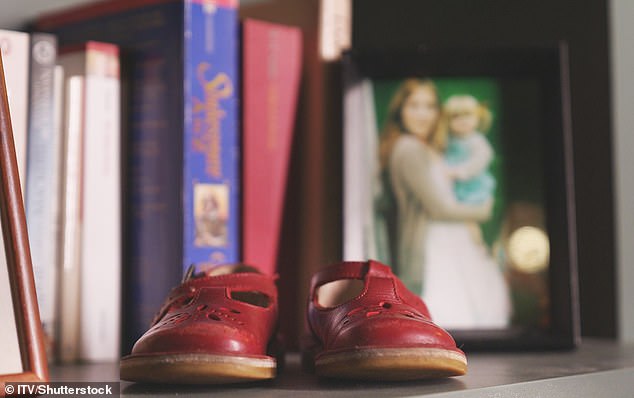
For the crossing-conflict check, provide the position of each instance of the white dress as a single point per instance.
(462, 285)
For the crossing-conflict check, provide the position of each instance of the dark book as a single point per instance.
(180, 70)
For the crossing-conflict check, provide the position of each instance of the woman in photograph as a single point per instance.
(439, 252)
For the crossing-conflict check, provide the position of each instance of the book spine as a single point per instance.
(101, 207)
(335, 28)
(361, 184)
(271, 67)
(71, 210)
(43, 180)
(211, 173)
(15, 56)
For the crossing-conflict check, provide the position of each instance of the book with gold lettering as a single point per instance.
(181, 157)
(210, 183)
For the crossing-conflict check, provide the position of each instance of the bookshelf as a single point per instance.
(597, 368)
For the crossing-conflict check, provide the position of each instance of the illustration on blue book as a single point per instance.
(211, 212)
(441, 174)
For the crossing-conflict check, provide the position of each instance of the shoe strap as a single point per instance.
(247, 281)
(375, 276)
(351, 270)
(243, 281)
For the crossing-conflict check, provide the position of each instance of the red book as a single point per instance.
(272, 58)
(312, 228)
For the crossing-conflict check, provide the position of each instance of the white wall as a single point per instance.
(622, 46)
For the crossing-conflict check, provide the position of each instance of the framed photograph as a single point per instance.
(458, 174)
(21, 338)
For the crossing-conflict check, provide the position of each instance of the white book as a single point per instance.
(360, 169)
(335, 34)
(100, 265)
(71, 223)
(15, 58)
(11, 362)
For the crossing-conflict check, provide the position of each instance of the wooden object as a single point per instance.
(18, 257)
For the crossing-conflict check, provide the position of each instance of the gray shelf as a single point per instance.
(595, 369)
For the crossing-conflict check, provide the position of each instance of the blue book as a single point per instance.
(211, 197)
(179, 69)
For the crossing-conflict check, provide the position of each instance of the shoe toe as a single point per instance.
(199, 337)
(392, 331)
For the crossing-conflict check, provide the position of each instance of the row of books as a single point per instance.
(161, 153)
(65, 117)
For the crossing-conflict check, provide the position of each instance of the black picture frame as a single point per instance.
(547, 66)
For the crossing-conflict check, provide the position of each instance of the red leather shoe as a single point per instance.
(375, 330)
(213, 328)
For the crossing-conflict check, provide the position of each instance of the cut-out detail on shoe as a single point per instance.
(235, 311)
(224, 314)
(256, 298)
(201, 307)
(385, 305)
(337, 292)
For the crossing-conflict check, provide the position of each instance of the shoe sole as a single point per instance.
(196, 368)
(391, 364)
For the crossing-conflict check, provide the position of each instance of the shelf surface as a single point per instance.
(596, 368)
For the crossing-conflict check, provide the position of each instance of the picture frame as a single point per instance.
(21, 338)
(526, 243)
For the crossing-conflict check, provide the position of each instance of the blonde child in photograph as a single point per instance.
(468, 154)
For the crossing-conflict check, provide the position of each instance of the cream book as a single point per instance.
(100, 200)
(71, 227)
